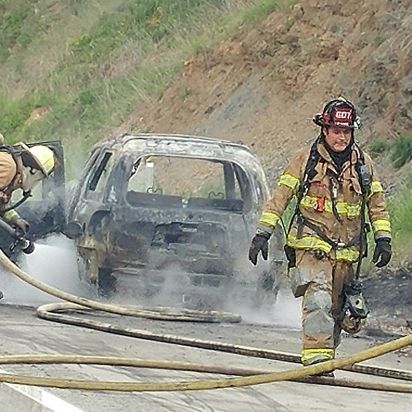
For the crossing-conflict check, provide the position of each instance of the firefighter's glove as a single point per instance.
(259, 244)
(383, 252)
(22, 226)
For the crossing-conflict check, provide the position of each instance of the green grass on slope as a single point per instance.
(401, 151)
(127, 56)
(148, 22)
(47, 26)
(400, 208)
(15, 30)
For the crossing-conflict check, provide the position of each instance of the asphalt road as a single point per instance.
(276, 328)
(22, 332)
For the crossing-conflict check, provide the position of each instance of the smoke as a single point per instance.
(169, 287)
(283, 311)
(151, 288)
(53, 262)
(261, 302)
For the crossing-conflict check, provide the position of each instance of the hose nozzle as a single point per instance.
(25, 245)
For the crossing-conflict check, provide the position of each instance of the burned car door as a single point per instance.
(45, 209)
(88, 210)
(88, 195)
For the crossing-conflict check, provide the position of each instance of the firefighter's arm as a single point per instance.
(378, 214)
(287, 186)
(13, 218)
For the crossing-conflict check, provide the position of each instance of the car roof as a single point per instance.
(179, 145)
(125, 138)
(182, 145)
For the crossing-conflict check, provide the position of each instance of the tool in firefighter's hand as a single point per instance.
(383, 252)
(20, 241)
(25, 245)
(354, 302)
(259, 244)
(290, 256)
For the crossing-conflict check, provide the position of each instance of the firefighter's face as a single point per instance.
(4, 197)
(338, 138)
(30, 178)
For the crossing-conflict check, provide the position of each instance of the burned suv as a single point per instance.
(161, 213)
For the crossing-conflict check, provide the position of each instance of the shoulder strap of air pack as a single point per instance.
(309, 172)
(365, 178)
(11, 150)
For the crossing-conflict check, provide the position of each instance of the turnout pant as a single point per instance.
(319, 278)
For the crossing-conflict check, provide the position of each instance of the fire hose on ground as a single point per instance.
(246, 377)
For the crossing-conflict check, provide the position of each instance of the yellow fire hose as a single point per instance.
(48, 312)
(186, 366)
(301, 374)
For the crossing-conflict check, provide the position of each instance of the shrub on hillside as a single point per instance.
(400, 209)
(401, 151)
(377, 147)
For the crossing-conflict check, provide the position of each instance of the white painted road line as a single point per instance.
(31, 399)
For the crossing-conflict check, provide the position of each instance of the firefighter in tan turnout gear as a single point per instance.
(334, 183)
(21, 167)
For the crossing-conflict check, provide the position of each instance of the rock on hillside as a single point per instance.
(263, 87)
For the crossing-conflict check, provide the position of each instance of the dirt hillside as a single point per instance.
(263, 88)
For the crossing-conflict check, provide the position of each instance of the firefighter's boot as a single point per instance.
(318, 359)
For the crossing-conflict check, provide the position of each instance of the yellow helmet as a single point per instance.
(8, 169)
(39, 157)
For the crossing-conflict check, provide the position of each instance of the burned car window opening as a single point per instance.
(245, 188)
(229, 178)
(101, 174)
(78, 190)
(185, 182)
